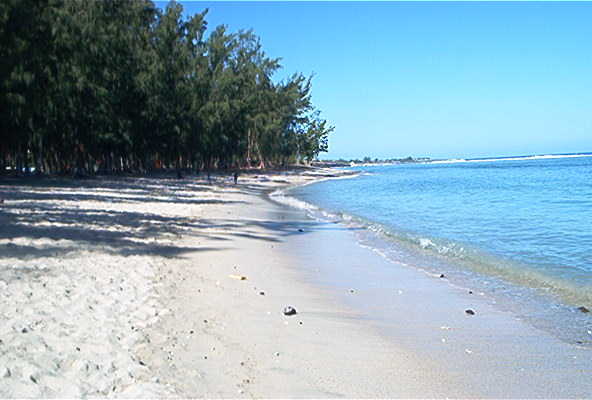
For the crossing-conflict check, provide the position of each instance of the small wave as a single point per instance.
(466, 258)
(281, 197)
(513, 158)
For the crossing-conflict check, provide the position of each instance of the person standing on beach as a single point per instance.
(235, 177)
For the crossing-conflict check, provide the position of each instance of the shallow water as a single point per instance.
(519, 230)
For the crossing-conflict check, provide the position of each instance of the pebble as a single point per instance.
(442, 276)
(262, 293)
(351, 291)
(469, 311)
(583, 309)
(277, 354)
(470, 292)
(300, 230)
(289, 310)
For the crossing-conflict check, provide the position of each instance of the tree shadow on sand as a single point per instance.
(28, 215)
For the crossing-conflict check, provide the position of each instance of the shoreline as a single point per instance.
(495, 351)
(548, 310)
(140, 275)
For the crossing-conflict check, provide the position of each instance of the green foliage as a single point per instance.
(119, 85)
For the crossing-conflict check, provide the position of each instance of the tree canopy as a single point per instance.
(123, 86)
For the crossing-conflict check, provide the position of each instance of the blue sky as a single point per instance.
(437, 79)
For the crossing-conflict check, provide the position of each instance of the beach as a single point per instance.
(147, 287)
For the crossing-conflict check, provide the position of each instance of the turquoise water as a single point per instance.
(522, 227)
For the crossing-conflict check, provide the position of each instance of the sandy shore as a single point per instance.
(134, 288)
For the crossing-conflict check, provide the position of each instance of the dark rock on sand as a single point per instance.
(469, 311)
(300, 230)
(583, 309)
(289, 310)
(442, 276)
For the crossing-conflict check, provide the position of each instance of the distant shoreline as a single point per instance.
(427, 160)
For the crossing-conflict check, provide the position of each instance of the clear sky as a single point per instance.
(437, 79)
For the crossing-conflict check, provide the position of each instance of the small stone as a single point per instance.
(277, 354)
(300, 323)
(583, 309)
(351, 291)
(191, 332)
(24, 330)
(205, 357)
(205, 321)
(442, 276)
(300, 230)
(289, 310)
(262, 293)
(77, 348)
(33, 379)
(142, 363)
(469, 311)
(470, 292)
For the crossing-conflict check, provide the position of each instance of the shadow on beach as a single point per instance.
(53, 217)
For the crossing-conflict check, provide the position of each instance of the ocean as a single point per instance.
(518, 230)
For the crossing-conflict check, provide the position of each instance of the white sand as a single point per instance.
(127, 288)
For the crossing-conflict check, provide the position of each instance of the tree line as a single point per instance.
(106, 86)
